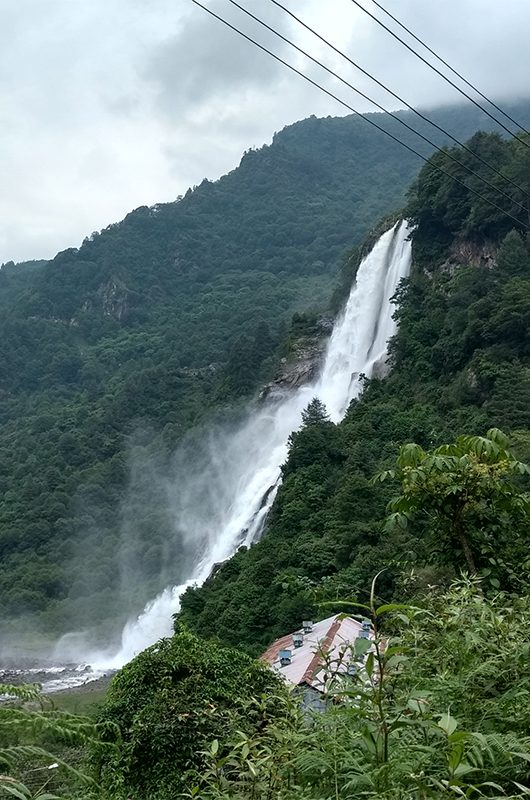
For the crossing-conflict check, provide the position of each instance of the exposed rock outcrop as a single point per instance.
(113, 298)
(465, 252)
(303, 362)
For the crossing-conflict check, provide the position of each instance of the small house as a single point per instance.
(318, 651)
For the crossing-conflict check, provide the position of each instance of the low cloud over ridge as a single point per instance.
(107, 106)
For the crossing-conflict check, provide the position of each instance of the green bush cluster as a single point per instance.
(171, 702)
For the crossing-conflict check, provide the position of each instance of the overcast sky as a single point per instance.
(110, 104)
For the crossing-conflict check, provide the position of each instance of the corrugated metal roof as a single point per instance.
(326, 642)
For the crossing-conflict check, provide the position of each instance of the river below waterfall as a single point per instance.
(54, 677)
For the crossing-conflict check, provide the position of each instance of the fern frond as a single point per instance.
(27, 691)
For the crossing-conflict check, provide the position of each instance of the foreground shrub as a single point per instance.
(171, 702)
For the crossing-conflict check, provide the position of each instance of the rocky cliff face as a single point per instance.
(303, 362)
(113, 298)
(465, 252)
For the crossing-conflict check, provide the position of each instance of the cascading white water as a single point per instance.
(222, 504)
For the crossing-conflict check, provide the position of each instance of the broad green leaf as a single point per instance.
(448, 724)
(361, 647)
(396, 660)
(417, 704)
(463, 769)
(459, 736)
(385, 609)
(498, 437)
(370, 741)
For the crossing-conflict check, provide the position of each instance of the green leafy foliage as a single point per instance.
(40, 748)
(445, 210)
(437, 705)
(171, 701)
(468, 493)
(437, 708)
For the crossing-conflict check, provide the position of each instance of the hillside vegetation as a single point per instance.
(461, 365)
(111, 352)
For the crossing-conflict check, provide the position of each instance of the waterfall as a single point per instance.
(222, 503)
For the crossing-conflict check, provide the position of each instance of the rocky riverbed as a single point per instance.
(56, 678)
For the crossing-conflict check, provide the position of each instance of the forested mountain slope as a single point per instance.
(122, 345)
(461, 365)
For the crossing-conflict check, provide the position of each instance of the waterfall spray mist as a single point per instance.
(222, 503)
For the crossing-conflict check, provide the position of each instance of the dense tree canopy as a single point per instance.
(438, 707)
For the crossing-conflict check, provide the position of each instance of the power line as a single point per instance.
(441, 74)
(383, 86)
(446, 64)
(384, 110)
(354, 111)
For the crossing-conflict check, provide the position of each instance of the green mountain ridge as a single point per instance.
(111, 352)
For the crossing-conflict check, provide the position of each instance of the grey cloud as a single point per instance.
(205, 59)
(483, 40)
(106, 106)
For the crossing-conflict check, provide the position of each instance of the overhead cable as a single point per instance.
(440, 73)
(383, 86)
(358, 113)
(453, 70)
